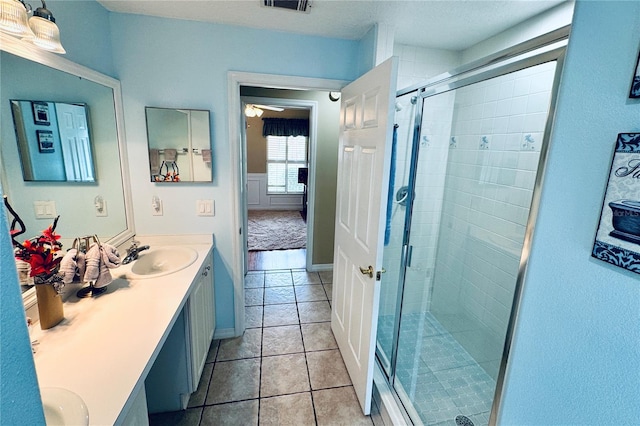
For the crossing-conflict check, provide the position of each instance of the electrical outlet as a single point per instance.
(205, 208)
(156, 206)
(101, 207)
(45, 209)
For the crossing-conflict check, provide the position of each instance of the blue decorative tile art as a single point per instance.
(618, 237)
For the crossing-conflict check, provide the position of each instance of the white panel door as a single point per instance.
(74, 136)
(366, 129)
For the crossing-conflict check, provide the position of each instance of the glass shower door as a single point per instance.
(395, 239)
(479, 149)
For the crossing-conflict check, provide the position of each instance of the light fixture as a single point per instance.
(45, 30)
(13, 18)
(334, 96)
(40, 30)
(252, 111)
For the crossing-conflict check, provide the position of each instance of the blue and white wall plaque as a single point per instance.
(618, 237)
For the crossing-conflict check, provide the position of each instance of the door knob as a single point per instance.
(367, 271)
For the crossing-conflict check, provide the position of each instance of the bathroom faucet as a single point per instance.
(133, 251)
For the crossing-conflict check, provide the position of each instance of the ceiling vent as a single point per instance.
(298, 5)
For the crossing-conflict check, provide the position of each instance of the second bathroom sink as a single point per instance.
(63, 407)
(162, 261)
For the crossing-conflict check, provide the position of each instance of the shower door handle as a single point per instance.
(367, 271)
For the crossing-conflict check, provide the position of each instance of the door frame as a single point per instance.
(312, 107)
(235, 79)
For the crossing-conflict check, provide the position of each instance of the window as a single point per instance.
(285, 155)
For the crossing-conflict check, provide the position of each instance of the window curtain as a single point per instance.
(285, 127)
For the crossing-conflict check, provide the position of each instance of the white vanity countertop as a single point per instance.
(105, 347)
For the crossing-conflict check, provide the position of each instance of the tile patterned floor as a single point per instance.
(437, 374)
(285, 369)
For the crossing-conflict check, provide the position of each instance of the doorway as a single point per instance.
(278, 143)
(316, 93)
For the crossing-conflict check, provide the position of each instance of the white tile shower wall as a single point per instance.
(498, 126)
(418, 64)
(427, 208)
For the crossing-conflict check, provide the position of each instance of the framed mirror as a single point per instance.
(54, 141)
(99, 206)
(179, 143)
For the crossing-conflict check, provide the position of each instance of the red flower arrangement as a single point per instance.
(41, 252)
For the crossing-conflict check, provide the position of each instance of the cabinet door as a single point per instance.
(202, 321)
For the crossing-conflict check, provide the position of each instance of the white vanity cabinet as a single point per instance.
(202, 320)
(176, 371)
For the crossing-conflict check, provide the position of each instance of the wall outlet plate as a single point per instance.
(101, 210)
(156, 207)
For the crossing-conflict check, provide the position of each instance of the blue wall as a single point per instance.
(19, 393)
(184, 64)
(84, 32)
(576, 357)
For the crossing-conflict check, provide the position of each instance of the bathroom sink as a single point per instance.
(162, 261)
(63, 407)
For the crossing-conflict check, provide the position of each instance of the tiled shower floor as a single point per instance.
(436, 373)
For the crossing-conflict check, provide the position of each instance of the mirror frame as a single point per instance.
(30, 52)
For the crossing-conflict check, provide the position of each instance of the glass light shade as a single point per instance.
(13, 19)
(249, 111)
(47, 34)
(258, 111)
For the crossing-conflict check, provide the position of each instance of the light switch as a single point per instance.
(45, 209)
(205, 208)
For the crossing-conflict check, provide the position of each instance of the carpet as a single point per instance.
(276, 230)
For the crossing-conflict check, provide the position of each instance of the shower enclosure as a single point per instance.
(465, 176)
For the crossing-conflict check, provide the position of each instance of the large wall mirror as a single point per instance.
(179, 145)
(54, 140)
(97, 206)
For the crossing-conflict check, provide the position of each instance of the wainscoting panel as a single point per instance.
(258, 199)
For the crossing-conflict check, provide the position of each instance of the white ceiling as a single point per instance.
(444, 24)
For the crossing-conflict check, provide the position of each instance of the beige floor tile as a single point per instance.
(278, 295)
(254, 280)
(190, 417)
(310, 293)
(318, 336)
(253, 316)
(281, 340)
(314, 311)
(213, 351)
(287, 410)
(284, 374)
(253, 296)
(328, 288)
(198, 397)
(326, 276)
(280, 315)
(305, 278)
(243, 413)
(278, 279)
(327, 370)
(339, 406)
(246, 346)
(234, 381)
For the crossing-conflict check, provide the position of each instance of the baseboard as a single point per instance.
(321, 267)
(224, 333)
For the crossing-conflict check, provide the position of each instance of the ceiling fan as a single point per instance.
(254, 110)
